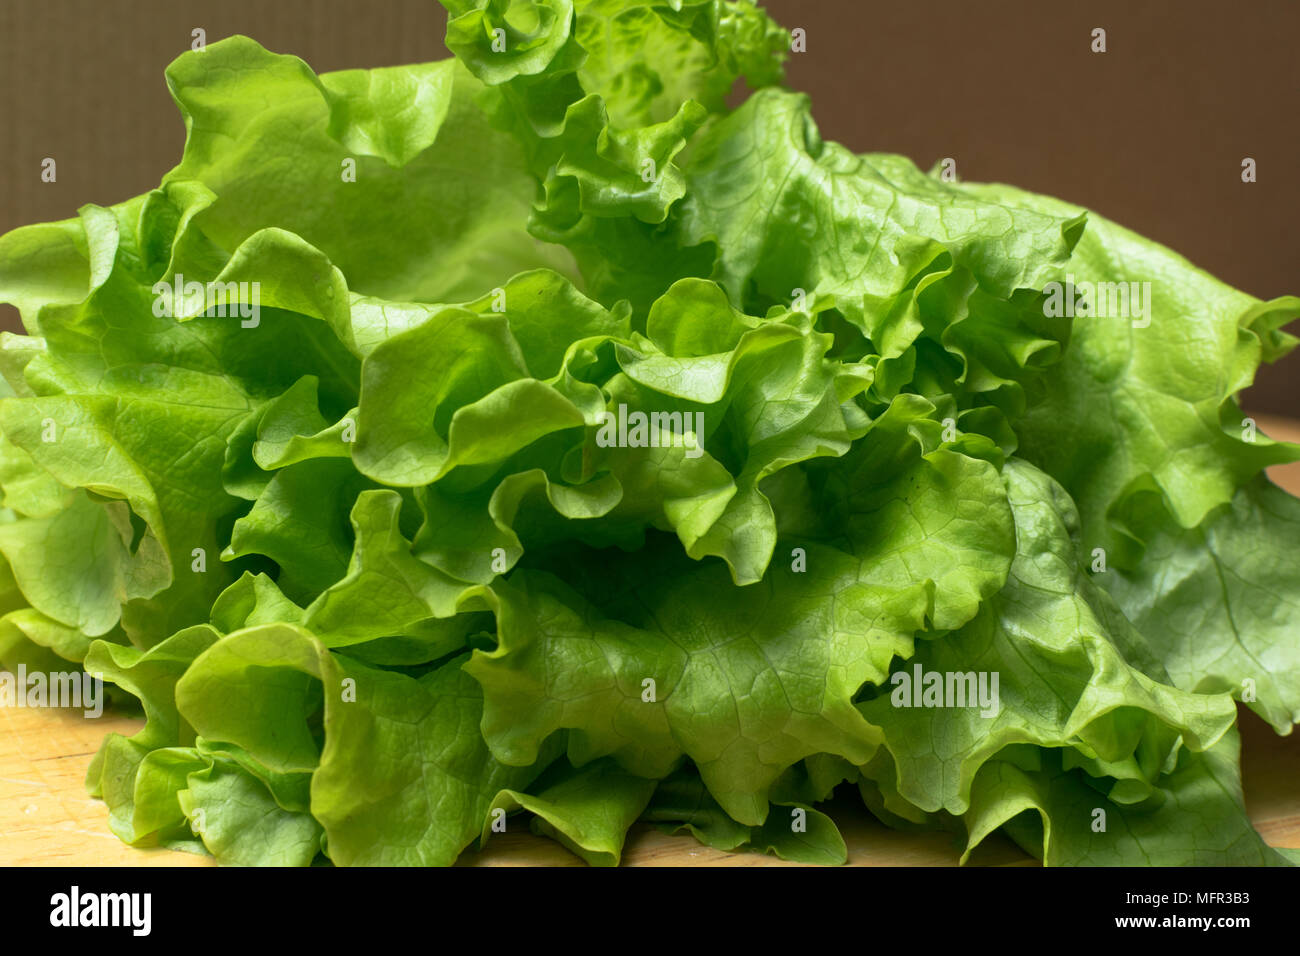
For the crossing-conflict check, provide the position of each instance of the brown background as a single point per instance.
(1150, 133)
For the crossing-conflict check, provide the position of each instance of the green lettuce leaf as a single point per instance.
(1195, 819)
(1219, 602)
(1062, 676)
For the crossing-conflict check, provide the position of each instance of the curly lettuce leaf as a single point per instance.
(745, 682)
(1196, 818)
(1063, 678)
(1219, 602)
(294, 707)
(1148, 404)
(587, 810)
(264, 131)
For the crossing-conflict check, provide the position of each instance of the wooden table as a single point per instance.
(46, 818)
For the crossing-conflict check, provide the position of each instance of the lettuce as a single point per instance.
(543, 436)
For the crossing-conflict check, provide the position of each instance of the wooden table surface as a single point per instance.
(46, 817)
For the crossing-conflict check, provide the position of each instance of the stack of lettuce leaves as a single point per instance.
(382, 575)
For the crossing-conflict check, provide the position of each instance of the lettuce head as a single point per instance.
(534, 432)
